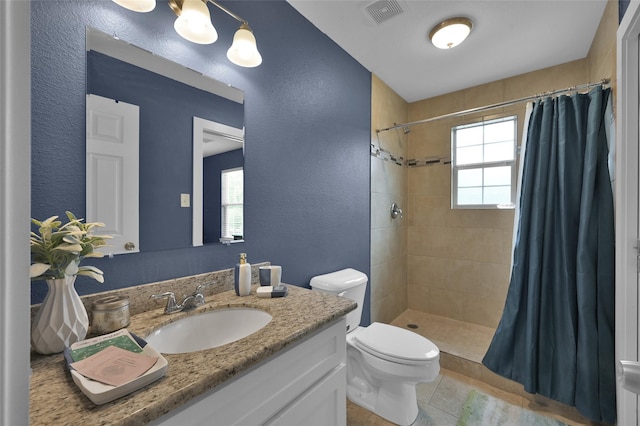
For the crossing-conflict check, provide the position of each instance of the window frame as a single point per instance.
(224, 205)
(484, 165)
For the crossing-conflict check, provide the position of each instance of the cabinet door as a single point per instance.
(324, 404)
(112, 171)
(288, 379)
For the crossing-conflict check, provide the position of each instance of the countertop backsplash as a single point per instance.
(140, 296)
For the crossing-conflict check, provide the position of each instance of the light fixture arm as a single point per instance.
(227, 11)
(176, 6)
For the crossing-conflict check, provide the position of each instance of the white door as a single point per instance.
(112, 171)
(627, 215)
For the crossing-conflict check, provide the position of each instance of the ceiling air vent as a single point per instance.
(383, 10)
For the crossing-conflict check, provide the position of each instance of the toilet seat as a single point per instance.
(395, 344)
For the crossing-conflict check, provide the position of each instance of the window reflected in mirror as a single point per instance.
(232, 205)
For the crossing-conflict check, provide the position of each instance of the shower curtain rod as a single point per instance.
(494, 106)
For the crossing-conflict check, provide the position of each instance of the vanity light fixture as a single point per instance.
(243, 51)
(450, 32)
(194, 24)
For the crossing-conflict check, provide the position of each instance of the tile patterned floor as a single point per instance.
(440, 402)
(462, 347)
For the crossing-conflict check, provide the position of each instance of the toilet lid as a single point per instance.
(395, 343)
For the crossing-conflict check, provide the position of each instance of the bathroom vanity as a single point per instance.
(292, 371)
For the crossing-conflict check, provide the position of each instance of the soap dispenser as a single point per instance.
(242, 276)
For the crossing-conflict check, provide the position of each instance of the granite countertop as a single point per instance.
(55, 399)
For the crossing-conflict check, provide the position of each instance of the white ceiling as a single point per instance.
(509, 37)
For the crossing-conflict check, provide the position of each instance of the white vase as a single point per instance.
(62, 318)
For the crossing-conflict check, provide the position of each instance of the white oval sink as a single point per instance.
(207, 330)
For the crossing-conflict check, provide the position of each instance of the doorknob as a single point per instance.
(629, 373)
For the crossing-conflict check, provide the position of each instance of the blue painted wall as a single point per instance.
(307, 118)
(622, 8)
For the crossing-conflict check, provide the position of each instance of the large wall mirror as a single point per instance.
(170, 97)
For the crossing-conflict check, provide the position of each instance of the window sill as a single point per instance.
(229, 241)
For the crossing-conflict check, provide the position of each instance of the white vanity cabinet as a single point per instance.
(303, 384)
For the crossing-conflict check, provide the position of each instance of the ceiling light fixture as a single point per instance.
(450, 32)
(194, 24)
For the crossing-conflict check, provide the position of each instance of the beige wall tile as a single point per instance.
(470, 218)
(445, 303)
(429, 180)
(479, 244)
(428, 211)
(461, 366)
(388, 289)
(486, 94)
(394, 142)
(436, 106)
(418, 297)
(602, 54)
(381, 210)
(379, 246)
(569, 74)
(387, 177)
(431, 241)
(397, 240)
(378, 176)
(483, 279)
(388, 184)
(376, 309)
(482, 310)
(433, 272)
(432, 140)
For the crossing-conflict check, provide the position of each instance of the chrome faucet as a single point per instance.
(189, 303)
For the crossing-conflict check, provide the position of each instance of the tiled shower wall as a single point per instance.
(453, 263)
(459, 260)
(388, 279)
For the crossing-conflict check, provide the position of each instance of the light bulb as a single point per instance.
(244, 51)
(194, 23)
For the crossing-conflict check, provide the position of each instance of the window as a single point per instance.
(483, 164)
(232, 203)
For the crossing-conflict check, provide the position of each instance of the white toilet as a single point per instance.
(384, 362)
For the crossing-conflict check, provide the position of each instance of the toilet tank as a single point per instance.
(347, 283)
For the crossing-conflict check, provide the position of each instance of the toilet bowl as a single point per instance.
(384, 362)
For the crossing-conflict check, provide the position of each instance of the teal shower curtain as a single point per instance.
(556, 335)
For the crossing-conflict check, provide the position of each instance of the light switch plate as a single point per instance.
(185, 200)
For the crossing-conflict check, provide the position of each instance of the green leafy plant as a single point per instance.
(57, 249)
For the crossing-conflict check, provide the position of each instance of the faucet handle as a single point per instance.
(202, 286)
(172, 304)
